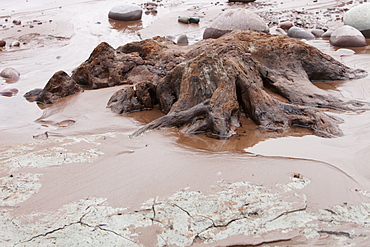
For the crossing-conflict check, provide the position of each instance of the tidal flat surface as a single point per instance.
(70, 175)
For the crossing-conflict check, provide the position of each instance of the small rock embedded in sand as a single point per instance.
(16, 43)
(17, 22)
(286, 25)
(183, 40)
(10, 75)
(317, 32)
(42, 136)
(345, 52)
(2, 43)
(9, 92)
(300, 33)
(195, 20)
(151, 8)
(327, 34)
(187, 20)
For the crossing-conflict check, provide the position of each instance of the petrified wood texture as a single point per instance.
(59, 86)
(236, 73)
(207, 86)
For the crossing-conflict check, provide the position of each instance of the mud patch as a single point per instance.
(238, 213)
(17, 188)
(46, 154)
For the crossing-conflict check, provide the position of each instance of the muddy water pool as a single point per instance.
(60, 35)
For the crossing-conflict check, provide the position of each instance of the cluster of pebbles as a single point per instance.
(10, 76)
(7, 24)
(150, 8)
(324, 23)
(304, 19)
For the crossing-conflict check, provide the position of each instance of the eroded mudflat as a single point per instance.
(74, 177)
(102, 188)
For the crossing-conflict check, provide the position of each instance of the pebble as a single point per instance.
(2, 43)
(286, 25)
(328, 33)
(195, 20)
(183, 19)
(183, 40)
(344, 51)
(300, 33)
(16, 43)
(10, 75)
(152, 11)
(317, 32)
(17, 22)
(187, 20)
(9, 92)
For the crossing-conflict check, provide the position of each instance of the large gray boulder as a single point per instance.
(126, 12)
(359, 18)
(347, 36)
(235, 19)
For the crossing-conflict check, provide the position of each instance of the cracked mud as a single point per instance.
(236, 212)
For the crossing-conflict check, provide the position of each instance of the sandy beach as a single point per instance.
(71, 175)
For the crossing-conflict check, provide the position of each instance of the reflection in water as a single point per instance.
(126, 26)
(248, 134)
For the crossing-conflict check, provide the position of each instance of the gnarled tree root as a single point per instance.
(207, 87)
(223, 77)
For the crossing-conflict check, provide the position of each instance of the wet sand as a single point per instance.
(83, 151)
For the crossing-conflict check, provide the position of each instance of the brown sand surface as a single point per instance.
(59, 163)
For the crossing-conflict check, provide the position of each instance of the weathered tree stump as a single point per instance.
(207, 87)
(237, 73)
